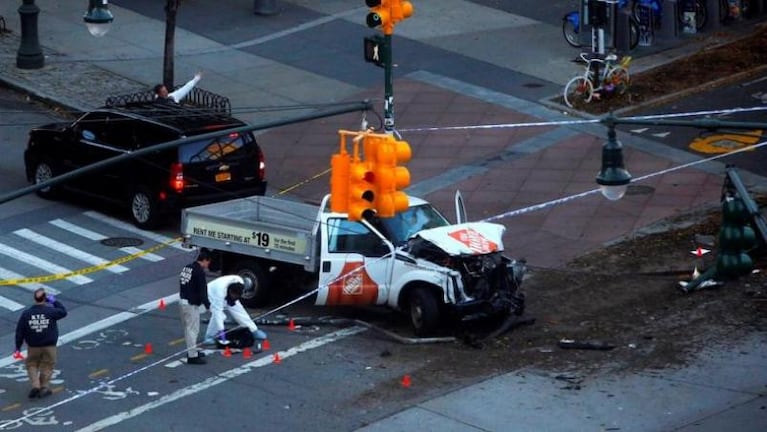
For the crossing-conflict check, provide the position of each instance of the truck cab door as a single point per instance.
(355, 266)
(460, 209)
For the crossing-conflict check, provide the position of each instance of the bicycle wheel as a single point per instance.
(578, 91)
(701, 14)
(619, 79)
(570, 31)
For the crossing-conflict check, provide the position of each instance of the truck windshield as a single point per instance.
(403, 225)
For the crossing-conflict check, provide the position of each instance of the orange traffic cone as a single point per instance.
(291, 325)
(162, 305)
(227, 352)
(276, 358)
(148, 348)
(405, 381)
(247, 353)
(266, 345)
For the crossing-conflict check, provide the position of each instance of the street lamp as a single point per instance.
(98, 17)
(30, 55)
(613, 179)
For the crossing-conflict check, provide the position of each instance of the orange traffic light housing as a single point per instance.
(352, 180)
(340, 168)
(390, 177)
(400, 10)
(387, 13)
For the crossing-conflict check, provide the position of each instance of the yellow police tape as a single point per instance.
(725, 143)
(87, 270)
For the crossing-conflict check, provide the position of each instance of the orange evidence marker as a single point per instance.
(148, 348)
(247, 353)
(227, 352)
(266, 345)
(406, 381)
(291, 325)
(162, 305)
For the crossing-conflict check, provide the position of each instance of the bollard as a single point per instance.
(623, 31)
(715, 18)
(265, 7)
(669, 24)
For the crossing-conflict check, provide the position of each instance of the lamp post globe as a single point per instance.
(98, 17)
(613, 179)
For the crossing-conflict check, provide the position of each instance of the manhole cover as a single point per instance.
(639, 190)
(122, 242)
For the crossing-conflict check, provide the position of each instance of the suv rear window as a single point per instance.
(211, 150)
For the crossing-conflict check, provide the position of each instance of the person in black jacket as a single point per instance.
(38, 328)
(193, 295)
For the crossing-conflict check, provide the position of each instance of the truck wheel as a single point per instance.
(424, 312)
(256, 284)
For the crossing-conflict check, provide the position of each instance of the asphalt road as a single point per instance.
(726, 100)
(119, 362)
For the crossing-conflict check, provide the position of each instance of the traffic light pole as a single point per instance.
(388, 87)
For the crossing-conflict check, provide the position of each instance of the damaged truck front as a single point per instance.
(416, 262)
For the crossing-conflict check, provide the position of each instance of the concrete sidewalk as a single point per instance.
(453, 73)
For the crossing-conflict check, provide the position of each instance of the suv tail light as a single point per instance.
(261, 166)
(177, 177)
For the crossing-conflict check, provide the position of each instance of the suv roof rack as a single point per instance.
(197, 98)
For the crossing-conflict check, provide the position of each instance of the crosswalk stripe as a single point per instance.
(69, 250)
(131, 228)
(92, 235)
(10, 304)
(8, 274)
(74, 229)
(42, 264)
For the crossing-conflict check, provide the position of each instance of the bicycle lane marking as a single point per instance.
(221, 378)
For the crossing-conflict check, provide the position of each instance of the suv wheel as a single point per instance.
(143, 209)
(43, 173)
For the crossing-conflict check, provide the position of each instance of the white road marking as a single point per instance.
(103, 324)
(638, 131)
(131, 228)
(69, 250)
(220, 379)
(10, 304)
(42, 264)
(92, 235)
(661, 134)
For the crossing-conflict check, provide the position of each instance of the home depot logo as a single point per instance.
(353, 284)
(474, 240)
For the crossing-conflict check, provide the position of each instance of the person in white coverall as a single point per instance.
(162, 95)
(224, 295)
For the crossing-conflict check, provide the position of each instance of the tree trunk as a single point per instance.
(171, 7)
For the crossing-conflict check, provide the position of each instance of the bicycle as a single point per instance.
(613, 78)
(571, 27)
(656, 8)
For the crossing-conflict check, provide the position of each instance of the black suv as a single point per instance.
(156, 184)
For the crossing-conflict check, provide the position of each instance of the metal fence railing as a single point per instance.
(197, 98)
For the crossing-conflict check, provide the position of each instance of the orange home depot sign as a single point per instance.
(474, 240)
(354, 287)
